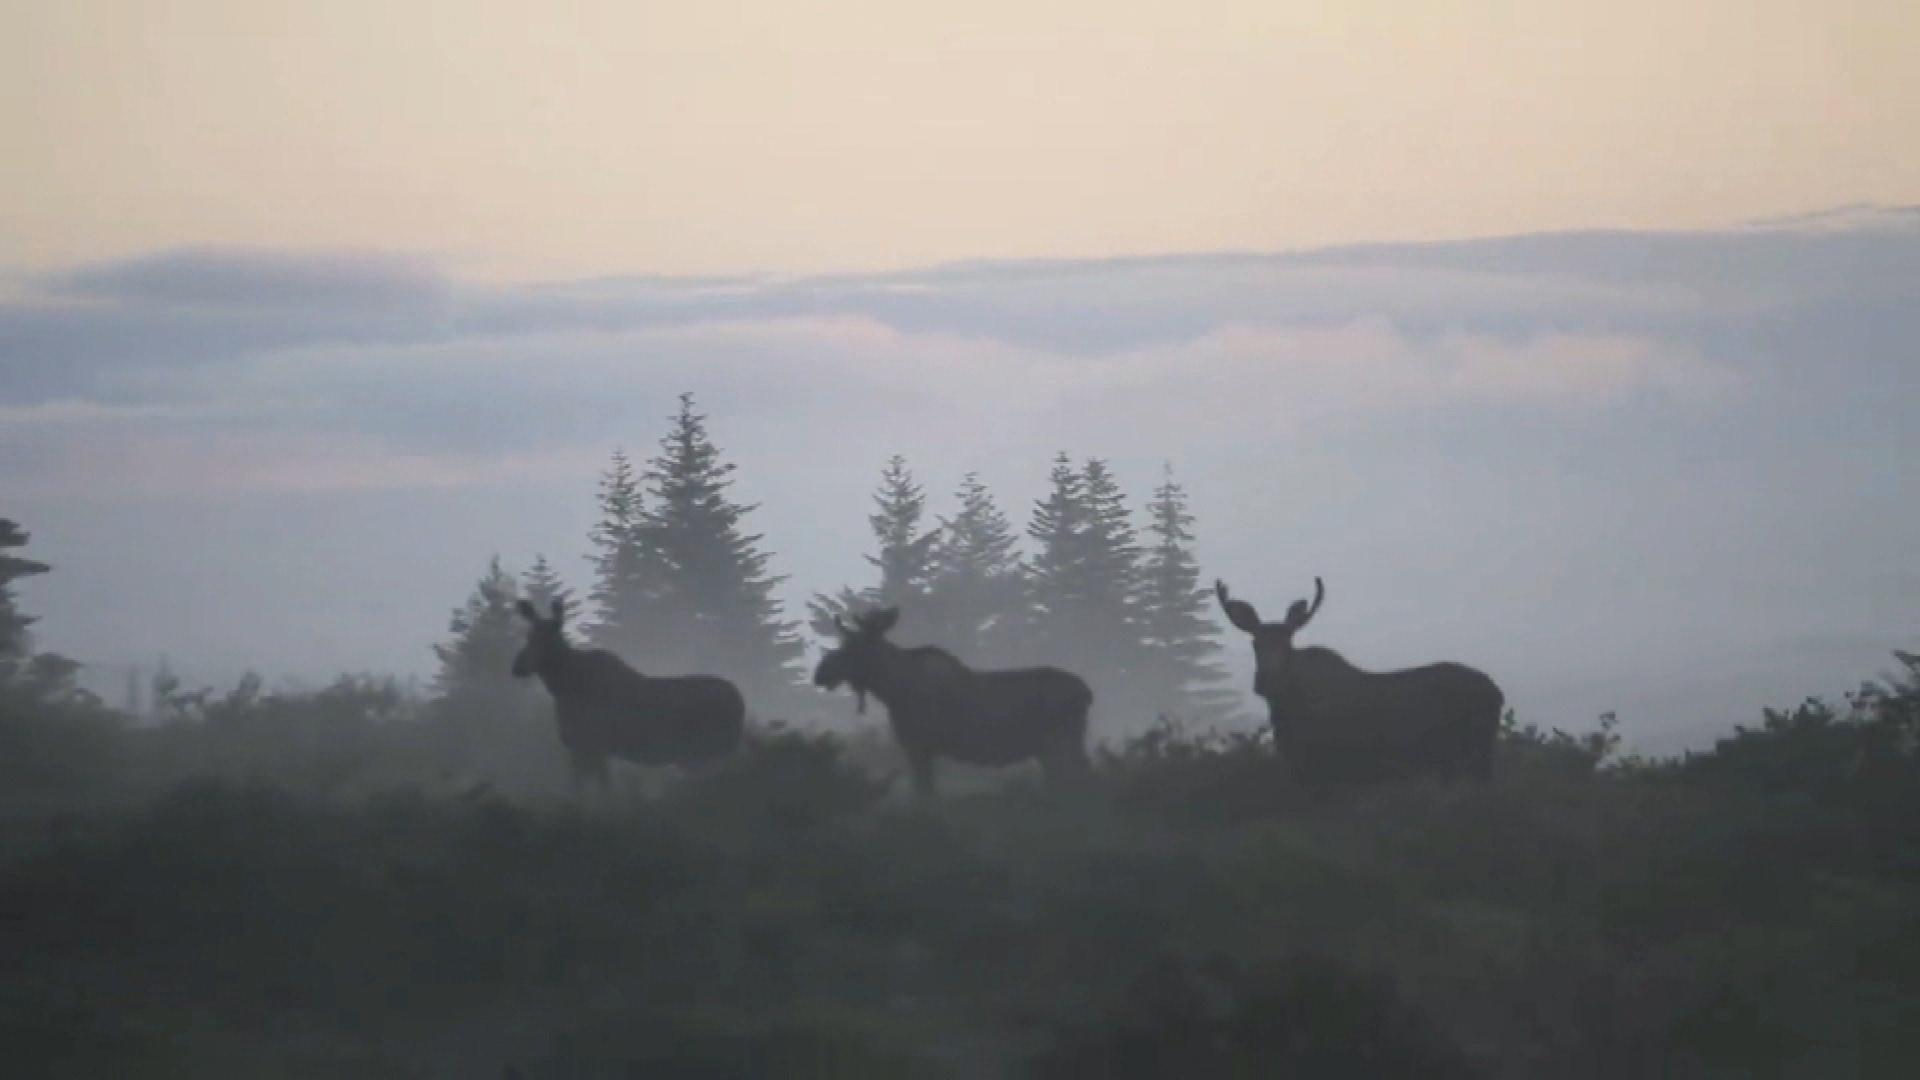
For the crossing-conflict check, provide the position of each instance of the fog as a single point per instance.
(1667, 474)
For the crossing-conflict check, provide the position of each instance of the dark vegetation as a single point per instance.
(350, 882)
(361, 881)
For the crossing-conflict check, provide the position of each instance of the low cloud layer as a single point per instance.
(1608, 466)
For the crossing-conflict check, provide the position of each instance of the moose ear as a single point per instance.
(526, 611)
(883, 621)
(1240, 613)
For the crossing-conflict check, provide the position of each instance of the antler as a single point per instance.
(1299, 613)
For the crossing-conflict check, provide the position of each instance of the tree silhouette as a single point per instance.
(475, 661)
(904, 557)
(627, 593)
(37, 677)
(1180, 676)
(1110, 572)
(717, 610)
(977, 586)
(15, 641)
(1056, 574)
(1084, 573)
(540, 584)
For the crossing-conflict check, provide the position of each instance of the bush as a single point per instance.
(329, 908)
(784, 778)
(58, 754)
(1195, 776)
(1866, 752)
(1556, 751)
(1303, 1015)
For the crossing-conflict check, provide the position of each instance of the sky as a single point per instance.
(1574, 341)
(535, 141)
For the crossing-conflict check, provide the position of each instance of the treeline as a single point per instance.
(1120, 605)
(679, 584)
(59, 742)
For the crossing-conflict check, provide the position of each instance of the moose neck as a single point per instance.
(559, 673)
(889, 673)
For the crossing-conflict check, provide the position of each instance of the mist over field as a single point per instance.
(1660, 473)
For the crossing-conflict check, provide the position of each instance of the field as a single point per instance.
(294, 894)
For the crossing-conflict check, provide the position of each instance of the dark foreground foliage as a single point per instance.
(1195, 914)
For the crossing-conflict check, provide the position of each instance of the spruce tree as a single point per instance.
(904, 558)
(1182, 677)
(717, 609)
(1110, 550)
(1110, 616)
(540, 585)
(44, 677)
(15, 641)
(626, 596)
(486, 633)
(1056, 571)
(976, 584)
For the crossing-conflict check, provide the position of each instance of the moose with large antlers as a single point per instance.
(607, 709)
(1331, 718)
(940, 707)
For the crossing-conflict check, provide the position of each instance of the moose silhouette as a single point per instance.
(939, 707)
(607, 709)
(1331, 718)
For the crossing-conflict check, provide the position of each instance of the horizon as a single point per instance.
(387, 364)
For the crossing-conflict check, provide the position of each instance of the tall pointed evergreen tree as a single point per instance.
(1109, 615)
(42, 677)
(903, 556)
(976, 584)
(476, 661)
(718, 612)
(1056, 576)
(15, 641)
(1182, 677)
(1110, 549)
(626, 596)
(540, 584)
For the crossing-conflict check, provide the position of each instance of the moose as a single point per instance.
(939, 707)
(607, 709)
(1330, 718)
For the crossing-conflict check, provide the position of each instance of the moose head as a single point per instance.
(545, 639)
(1273, 652)
(859, 654)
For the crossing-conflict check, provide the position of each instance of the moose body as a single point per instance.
(606, 709)
(1334, 720)
(939, 707)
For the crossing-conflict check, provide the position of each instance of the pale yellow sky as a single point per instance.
(539, 139)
